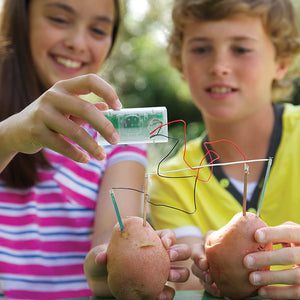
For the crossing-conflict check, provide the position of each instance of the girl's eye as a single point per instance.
(99, 31)
(58, 20)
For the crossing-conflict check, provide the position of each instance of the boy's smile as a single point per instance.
(230, 66)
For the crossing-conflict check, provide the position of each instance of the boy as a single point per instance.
(235, 57)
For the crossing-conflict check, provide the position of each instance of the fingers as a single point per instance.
(167, 294)
(199, 257)
(61, 106)
(59, 112)
(212, 289)
(204, 276)
(200, 269)
(101, 105)
(95, 262)
(54, 138)
(178, 274)
(59, 144)
(100, 255)
(101, 261)
(280, 292)
(61, 126)
(176, 252)
(283, 256)
(285, 233)
(289, 276)
(91, 83)
(179, 252)
(205, 279)
(200, 265)
(167, 237)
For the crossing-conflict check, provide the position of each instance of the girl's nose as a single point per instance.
(76, 40)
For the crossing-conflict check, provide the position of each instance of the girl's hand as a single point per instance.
(58, 113)
(96, 261)
(287, 234)
(96, 272)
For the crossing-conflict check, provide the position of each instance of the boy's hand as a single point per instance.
(200, 268)
(177, 252)
(287, 234)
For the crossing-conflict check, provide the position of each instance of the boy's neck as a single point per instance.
(252, 136)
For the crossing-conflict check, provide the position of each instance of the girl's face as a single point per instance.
(229, 66)
(69, 37)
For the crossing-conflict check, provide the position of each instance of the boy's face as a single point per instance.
(229, 66)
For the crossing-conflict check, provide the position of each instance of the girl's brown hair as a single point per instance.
(278, 18)
(20, 85)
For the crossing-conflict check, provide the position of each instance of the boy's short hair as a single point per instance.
(278, 18)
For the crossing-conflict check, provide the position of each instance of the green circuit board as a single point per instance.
(135, 125)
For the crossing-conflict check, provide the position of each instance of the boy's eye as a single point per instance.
(241, 50)
(200, 50)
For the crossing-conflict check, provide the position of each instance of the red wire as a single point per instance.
(208, 153)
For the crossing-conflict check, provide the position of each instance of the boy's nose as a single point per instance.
(220, 70)
(220, 66)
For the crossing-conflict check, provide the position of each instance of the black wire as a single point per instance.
(163, 176)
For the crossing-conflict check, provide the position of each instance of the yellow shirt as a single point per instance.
(215, 205)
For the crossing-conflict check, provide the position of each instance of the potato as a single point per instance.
(225, 250)
(138, 264)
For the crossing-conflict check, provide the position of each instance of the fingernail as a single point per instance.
(173, 255)
(174, 276)
(256, 278)
(115, 138)
(206, 278)
(100, 154)
(249, 261)
(167, 243)
(162, 297)
(263, 293)
(118, 104)
(86, 158)
(261, 236)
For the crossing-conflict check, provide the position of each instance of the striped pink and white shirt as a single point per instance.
(46, 230)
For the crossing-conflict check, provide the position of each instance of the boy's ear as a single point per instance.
(183, 77)
(282, 68)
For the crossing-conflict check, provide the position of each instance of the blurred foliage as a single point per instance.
(142, 76)
(139, 67)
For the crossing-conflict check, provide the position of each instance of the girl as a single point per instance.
(55, 178)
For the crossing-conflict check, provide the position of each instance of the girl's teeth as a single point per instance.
(221, 90)
(68, 63)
